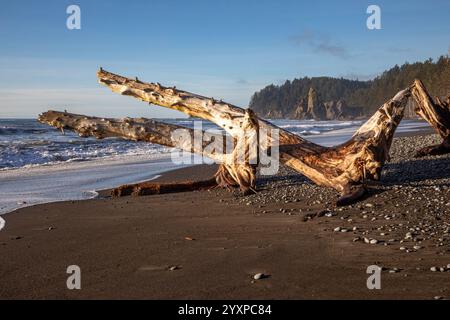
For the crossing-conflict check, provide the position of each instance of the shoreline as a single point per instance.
(133, 171)
(81, 181)
(209, 244)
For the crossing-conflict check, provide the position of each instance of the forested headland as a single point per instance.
(327, 98)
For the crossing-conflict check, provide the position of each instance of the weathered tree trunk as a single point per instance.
(140, 129)
(149, 131)
(345, 167)
(437, 114)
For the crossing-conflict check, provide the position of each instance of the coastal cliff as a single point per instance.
(327, 98)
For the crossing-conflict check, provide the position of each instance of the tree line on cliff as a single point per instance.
(327, 98)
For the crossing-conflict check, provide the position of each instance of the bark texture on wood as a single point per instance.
(437, 114)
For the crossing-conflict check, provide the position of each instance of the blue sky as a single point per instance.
(224, 49)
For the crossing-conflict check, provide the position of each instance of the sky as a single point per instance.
(224, 49)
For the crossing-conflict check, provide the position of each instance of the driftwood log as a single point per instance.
(437, 114)
(347, 167)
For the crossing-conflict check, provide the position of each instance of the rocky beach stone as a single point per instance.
(410, 205)
(259, 276)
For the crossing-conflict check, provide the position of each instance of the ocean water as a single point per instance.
(28, 143)
(38, 164)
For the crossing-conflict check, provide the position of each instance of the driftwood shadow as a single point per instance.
(417, 170)
(411, 171)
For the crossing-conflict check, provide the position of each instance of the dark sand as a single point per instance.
(125, 247)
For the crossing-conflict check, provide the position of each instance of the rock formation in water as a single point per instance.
(311, 107)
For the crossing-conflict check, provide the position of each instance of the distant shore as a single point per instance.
(209, 244)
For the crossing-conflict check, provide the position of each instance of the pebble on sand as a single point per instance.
(259, 276)
(394, 270)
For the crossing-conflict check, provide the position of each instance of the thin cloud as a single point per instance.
(320, 44)
(359, 76)
(242, 81)
(399, 50)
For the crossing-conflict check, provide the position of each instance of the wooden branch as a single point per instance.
(149, 188)
(437, 114)
(223, 114)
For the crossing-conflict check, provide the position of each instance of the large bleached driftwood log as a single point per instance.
(147, 130)
(346, 167)
(340, 167)
(437, 114)
(139, 129)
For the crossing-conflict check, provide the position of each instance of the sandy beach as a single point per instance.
(209, 244)
(200, 154)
